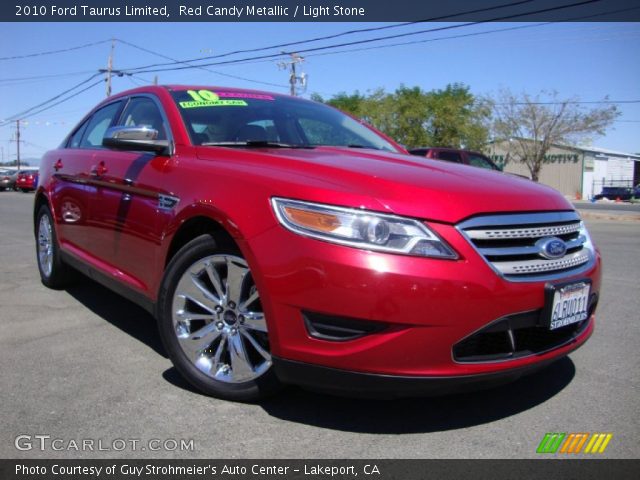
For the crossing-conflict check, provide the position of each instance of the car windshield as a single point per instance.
(244, 119)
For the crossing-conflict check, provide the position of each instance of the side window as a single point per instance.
(449, 156)
(480, 161)
(143, 112)
(76, 138)
(98, 125)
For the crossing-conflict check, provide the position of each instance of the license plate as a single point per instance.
(570, 304)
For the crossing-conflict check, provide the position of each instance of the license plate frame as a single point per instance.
(566, 303)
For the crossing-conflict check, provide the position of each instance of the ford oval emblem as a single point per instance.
(551, 247)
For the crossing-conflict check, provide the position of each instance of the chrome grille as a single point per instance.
(513, 244)
(525, 232)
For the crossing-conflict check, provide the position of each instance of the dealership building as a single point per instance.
(577, 172)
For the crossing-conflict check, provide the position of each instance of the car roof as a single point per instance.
(178, 87)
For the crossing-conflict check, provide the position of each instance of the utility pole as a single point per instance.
(110, 67)
(155, 79)
(294, 78)
(18, 143)
(110, 71)
(17, 140)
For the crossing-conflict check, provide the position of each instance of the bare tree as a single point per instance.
(533, 124)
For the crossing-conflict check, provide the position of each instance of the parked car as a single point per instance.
(618, 193)
(27, 180)
(278, 240)
(466, 157)
(8, 179)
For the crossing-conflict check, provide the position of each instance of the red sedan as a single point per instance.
(278, 240)
(27, 180)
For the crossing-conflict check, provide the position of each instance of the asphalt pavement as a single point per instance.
(85, 364)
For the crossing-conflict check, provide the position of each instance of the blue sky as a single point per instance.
(585, 60)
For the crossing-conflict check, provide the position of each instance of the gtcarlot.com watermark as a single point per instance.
(46, 443)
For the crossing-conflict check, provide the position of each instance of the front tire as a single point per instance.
(211, 322)
(54, 273)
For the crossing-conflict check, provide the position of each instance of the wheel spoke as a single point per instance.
(215, 281)
(240, 365)
(219, 351)
(252, 298)
(189, 316)
(256, 345)
(193, 289)
(255, 321)
(235, 280)
(196, 342)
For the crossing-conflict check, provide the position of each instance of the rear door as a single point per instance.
(71, 187)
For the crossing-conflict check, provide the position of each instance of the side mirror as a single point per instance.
(135, 138)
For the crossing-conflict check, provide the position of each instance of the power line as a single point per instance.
(35, 145)
(30, 111)
(312, 49)
(572, 102)
(187, 62)
(450, 37)
(336, 35)
(38, 77)
(377, 39)
(51, 52)
(65, 99)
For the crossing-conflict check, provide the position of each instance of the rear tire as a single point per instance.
(212, 324)
(54, 273)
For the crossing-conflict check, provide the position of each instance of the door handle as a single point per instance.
(99, 170)
(58, 165)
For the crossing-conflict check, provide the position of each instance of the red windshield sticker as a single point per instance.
(256, 96)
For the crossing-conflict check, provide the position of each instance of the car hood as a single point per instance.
(394, 183)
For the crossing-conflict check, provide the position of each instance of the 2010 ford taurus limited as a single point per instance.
(280, 241)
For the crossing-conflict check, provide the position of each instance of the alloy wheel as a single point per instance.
(218, 320)
(45, 246)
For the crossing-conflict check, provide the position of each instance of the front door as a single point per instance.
(125, 208)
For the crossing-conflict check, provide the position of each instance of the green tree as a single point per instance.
(455, 118)
(451, 117)
(352, 104)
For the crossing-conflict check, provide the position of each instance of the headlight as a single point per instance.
(360, 229)
(588, 243)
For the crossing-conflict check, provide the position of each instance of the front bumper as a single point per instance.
(25, 185)
(369, 385)
(424, 307)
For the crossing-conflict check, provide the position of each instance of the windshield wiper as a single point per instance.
(357, 145)
(256, 143)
